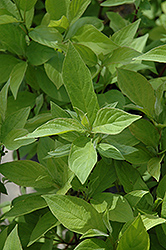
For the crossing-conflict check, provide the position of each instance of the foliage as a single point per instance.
(83, 86)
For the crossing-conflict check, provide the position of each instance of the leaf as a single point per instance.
(12, 144)
(3, 101)
(53, 69)
(46, 36)
(117, 21)
(13, 241)
(4, 19)
(26, 204)
(58, 112)
(118, 207)
(91, 37)
(109, 151)
(154, 167)
(92, 244)
(7, 63)
(76, 9)
(38, 54)
(82, 158)
(135, 237)
(87, 54)
(16, 120)
(10, 7)
(141, 156)
(26, 4)
(151, 221)
(157, 54)
(102, 177)
(62, 23)
(74, 213)
(2, 189)
(134, 197)
(12, 37)
(161, 189)
(44, 224)
(55, 127)
(112, 121)
(3, 236)
(59, 11)
(146, 132)
(60, 151)
(163, 210)
(27, 173)
(137, 89)
(110, 3)
(125, 36)
(16, 77)
(123, 55)
(129, 177)
(78, 83)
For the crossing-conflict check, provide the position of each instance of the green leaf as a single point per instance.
(151, 221)
(111, 96)
(53, 69)
(3, 101)
(118, 207)
(163, 210)
(44, 224)
(78, 83)
(25, 205)
(12, 37)
(59, 11)
(75, 213)
(3, 236)
(27, 173)
(24, 99)
(61, 24)
(134, 197)
(141, 156)
(109, 151)
(157, 54)
(87, 54)
(46, 36)
(122, 55)
(13, 241)
(10, 7)
(55, 127)
(117, 21)
(124, 37)
(12, 144)
(110, 3)
(26, 4)
(129, 177)
(2, 189)
(4, 19)
(91, 244)
(38, 54)
(49, 87)
(154, 165)
(137, 89)
(102, 177)
(7, 63)
(135, 237)
(76, 9)
(60, 151)
(16, 120)
(146, 132)
(161, 189)
(82, 158)
(112, 121)
(91, 37)
(17, 76)
(57, 111)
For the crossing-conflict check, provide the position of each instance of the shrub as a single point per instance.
(83, 90)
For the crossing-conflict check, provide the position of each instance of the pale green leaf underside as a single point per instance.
(55, 127)
(157, 54)
(112, 121)
(110, 3)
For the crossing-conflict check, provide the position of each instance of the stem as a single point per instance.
(98, 77)
(18, 154)
(135, 15)
(163, 70)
